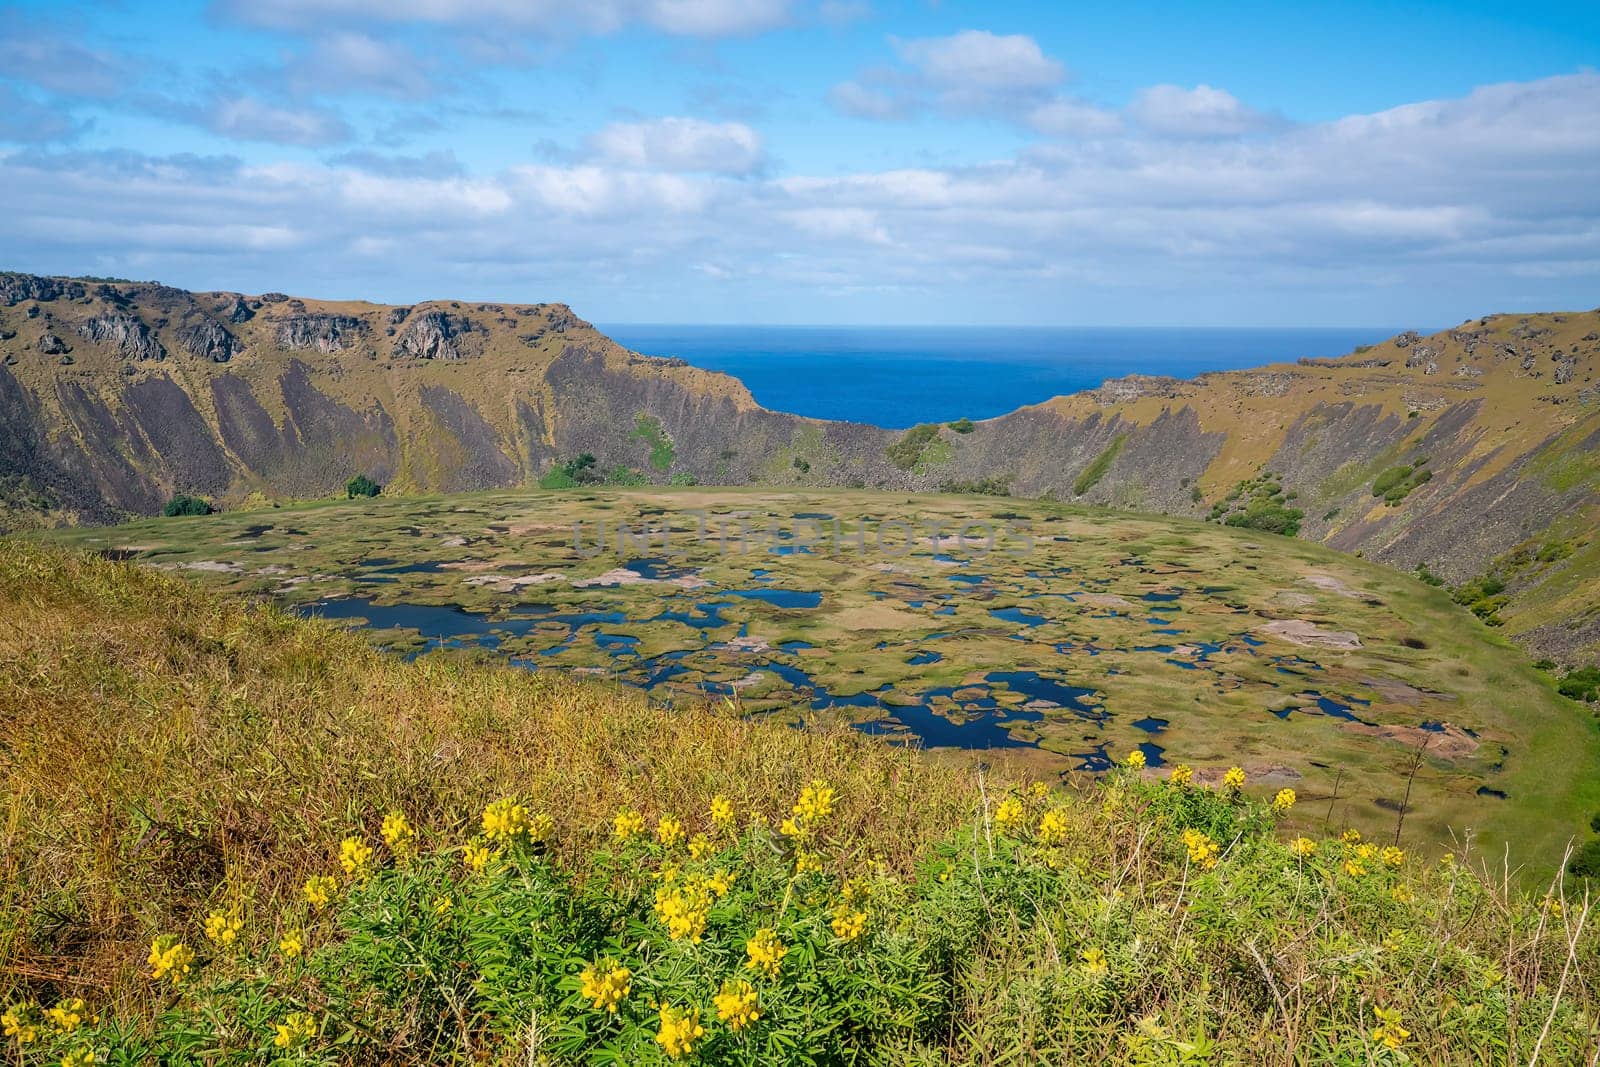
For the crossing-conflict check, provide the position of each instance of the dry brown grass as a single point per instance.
(165, 749)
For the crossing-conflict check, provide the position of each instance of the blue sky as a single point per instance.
(818, 161)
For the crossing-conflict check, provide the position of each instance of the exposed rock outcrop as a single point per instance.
(51, 345)
(15, 288)
(132, 338)
(435, 335)
(325, 333)
(208, 340)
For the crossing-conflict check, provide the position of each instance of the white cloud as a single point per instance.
(249, 119)
(1173, 111)
(1497, 185)
(1066, 117)
(978, 61)
(679, 144)
(346, 61)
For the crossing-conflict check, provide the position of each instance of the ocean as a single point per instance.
(896, 376)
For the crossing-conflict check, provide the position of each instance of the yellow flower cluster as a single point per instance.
(506, 821)
(683, 907)
(292, 944)
(699, 847)
(680, 1029)
(320, 889)
(1136, 760)
(1053, 827)
(1283, 801)
(816, 801)
(807, 863)
(67, 1015)
(222, 928)
(1203, 851)
(1393, 857)
(1182, 774)
(1351, 836)
(1303, 846)
(737, 1004)
(628, 825)
(720, 882)
(170, 959)
(606, 984)
(79, 1057)
(355, 856)
(20, 1023)
(1389, 1033)
(722, 813)
(298, 1028)
(1094, 962)
(1009, 815)
(669, 831)
(1234, 778)
(847, 923)
(765, 952)
(476, 857)
(397, 833)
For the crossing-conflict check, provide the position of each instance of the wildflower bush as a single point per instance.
(763, 937)
(235, 837)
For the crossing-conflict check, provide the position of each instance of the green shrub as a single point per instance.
(1585, 862)
(962, 425)
(648, 428)
(1581, 684)
(905, 452)
(183, 504)
(1428, 577)
(361, 485)
(580, 470)
(683, 478)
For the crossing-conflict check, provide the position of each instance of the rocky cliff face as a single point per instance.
(113, 396)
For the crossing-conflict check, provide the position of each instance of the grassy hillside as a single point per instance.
(176, 767)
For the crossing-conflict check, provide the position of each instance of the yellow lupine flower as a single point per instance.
(67, 1015)
(1010, 815)
(79, 1057)
(669, 831)
(606, 984)
(807, 863)
(683, 909)
(170, 959)
(222, 928)
(476, 857)
(816, 801)
(1389, 1033)
(320, 889)
(1303, 846)
(737, 1004)
(295, 1030)
(19, 1022)
(292, 944)
(627, 825)
(680, 1029)
(1136, 759)
(720, 882)
(1354, 868)
(792, 826)
(1401, 893)
(699, 846)
(443, 906)
(1182, 774)
(1053, 827)
(722, 812)
(848, 925)
(1234, 778)
(1203, 851)
(1039, 790)
(1393, 857)
(765, 952)
(1283, 801)
(1351, 836)
(1094, 962)
(355, 856)
(397, 833)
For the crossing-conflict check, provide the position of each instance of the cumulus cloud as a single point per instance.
(1497, 186)
(51, 60)
(1203, 111)
(679, 144)
(357, 62)
(688, 18)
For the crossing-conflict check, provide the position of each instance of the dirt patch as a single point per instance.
(1104, 600)
(1290, 599)
(1329, 584)
(1448, 741)
(1394, 691)
(1310, 635)
(505, 583)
